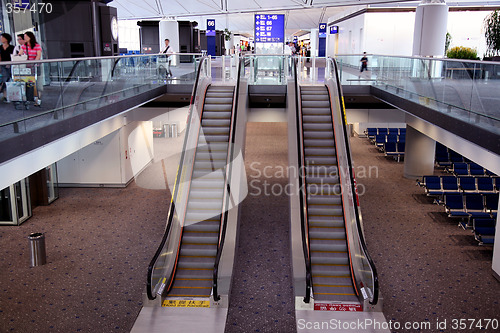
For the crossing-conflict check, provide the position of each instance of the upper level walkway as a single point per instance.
(459, 96)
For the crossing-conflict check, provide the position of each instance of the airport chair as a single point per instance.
(393, 131)
(379, 140)
(474, 206)
(454, 206)
(485, 185)
(391, 138)
(432, 185)
(371, 132)
(476, 170)
(383, 131)
(491, 202)
(450, 184)
(467, 184)
(484, 230)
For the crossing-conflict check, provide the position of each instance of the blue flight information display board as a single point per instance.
(269, 28)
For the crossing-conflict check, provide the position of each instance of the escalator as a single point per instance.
(340, 275)
(198, 248)
(328, 244)
(185, 266)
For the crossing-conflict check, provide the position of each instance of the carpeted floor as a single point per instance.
(262, 298)
(430, 269)
(100, 241)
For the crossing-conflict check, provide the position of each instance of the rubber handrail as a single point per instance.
(354, 191)
(176, 190)
(227, 193)
(304, 223)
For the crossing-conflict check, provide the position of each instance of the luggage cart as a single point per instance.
(23, 86)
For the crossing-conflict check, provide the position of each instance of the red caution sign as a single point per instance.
(338, 307)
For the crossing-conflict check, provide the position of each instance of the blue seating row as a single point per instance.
(371, 132)
(468, 169)
(446, 157)
(467, 206)
(442, 185)
(394, 149)
(390, 141)
(380, 139)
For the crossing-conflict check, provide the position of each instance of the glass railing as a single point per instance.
(46, 91)
(304, 223)
(363, 268)
(161, 270)
(232, 197)
(311, 70)
(267, 69)
(464, 89)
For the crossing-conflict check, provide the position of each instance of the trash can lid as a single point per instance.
(36, 235)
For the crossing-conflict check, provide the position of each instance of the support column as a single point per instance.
(419, 154)
(496, 250)
(170, 29)
(314, 42)
(429, 36)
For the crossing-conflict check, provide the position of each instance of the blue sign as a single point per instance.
(210, 27)
(269, 28)
(322, 30)
(334, 29)
(22, 4)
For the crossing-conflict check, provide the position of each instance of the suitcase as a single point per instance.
(16, 91)
(30, 91)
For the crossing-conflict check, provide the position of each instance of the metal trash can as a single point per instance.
(37, 249)
(173, 130)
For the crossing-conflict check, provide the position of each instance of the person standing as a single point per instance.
(168, 50)
(20, 43)
(6, 51)
(34, 52)
(364, 63)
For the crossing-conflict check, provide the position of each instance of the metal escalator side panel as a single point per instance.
(341, 175)
(364, 269)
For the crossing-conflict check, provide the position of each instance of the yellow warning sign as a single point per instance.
(179, 303)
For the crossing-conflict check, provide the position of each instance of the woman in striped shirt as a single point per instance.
(34, 52)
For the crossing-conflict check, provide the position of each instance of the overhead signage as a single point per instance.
(210, 27)
(334, 29)
(269, 28)
(322, 30)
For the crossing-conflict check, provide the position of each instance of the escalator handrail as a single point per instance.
(354, 191)
(304, 223)
(227, 192)
(171, 211)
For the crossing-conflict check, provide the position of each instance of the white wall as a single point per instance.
(112, 160)
(349, 35)
(128, 35)
(363, 118)
(389, 33)
(392, 33)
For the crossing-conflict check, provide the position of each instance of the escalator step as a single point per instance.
(316, 119)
